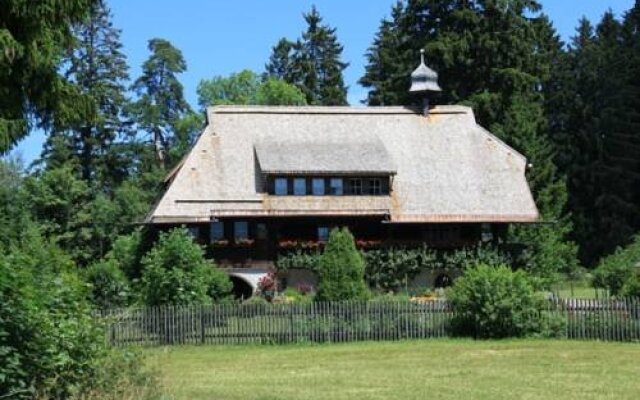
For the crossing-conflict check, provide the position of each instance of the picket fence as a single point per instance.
(608, 320)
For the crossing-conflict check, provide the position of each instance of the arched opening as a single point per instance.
(241, 288)
(443, 281)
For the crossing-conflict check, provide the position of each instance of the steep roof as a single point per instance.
(448, 168)
(326, 154)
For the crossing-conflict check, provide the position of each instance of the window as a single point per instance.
(317, 186)
(375, 188)
(216, 230)
(323, 233)
(355, 186)
(281, 186)
(336, 186)
(299, 186)
(240, 230)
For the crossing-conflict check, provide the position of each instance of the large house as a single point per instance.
(260, 179)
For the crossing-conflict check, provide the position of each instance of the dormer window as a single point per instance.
(336, 187)
(280, 187)
(355, 186)
(375, 187)
(317, 186)
(299, 186)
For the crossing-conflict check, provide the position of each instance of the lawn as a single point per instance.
(429, 369)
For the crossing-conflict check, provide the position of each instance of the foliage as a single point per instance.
(614, 270)
(495, 302)
(161, 103)
(245, 88)
(631, 287)
(341, 269)
(298, 295)
(127, 252)
(48, 336)
(595, 124)
(312, 63)
(98, 68)
(33, 37)
(109, 286)
(390, 268)
(176, 272)
(122, 374)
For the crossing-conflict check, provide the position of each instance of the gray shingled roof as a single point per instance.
(448, 168)
(352, 154)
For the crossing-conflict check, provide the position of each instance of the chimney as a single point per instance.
(423, 81)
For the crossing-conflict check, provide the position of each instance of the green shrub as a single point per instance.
(49, 339)
(612, 275)
(109, 286)
(631, 287)
(297, 296)
(614, 270)
(127, 251)
(341, 269)
(393, 268)
(495, 302)
(176, 272)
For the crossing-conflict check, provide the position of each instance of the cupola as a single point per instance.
(423, 81)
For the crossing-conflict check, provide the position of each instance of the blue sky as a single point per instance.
(218, 37)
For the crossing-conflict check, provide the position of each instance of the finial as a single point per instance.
(421, 56)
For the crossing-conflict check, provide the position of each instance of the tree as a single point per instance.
(595, 125)
(313, 63)
(176, 272)
(341, 269)
(161, 102)
(98, 68)
(33, 38)
(245, 88)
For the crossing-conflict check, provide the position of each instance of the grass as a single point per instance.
(433, 369)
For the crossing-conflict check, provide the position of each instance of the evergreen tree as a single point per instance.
(596, 123)
(33, 38)
(280, 61)
(161, 102)
(313, 63)
(98, 68)
(341, 269)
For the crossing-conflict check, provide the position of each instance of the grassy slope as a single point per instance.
(435, 369)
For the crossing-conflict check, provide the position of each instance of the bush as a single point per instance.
(612, 275)
(109, 286)
(614, 270)
(49, 339)
(298, 295)
(127, 251)
(176, 272)
(341, 269)
(631, 287)
(495, 302)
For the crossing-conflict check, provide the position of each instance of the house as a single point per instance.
(260, 180)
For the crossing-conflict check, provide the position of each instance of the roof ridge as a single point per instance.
(258, 109)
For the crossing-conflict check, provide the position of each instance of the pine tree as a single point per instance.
(313, 63)
(33, 38)
(161, 102)
(98, 68)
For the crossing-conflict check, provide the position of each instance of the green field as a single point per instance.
(430, 369)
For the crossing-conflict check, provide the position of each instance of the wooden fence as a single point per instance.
(614, 320)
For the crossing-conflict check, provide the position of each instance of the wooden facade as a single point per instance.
(257, 242)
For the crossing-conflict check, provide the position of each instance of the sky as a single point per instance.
(220, 37)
